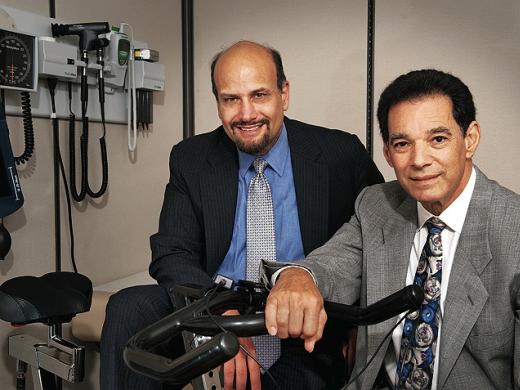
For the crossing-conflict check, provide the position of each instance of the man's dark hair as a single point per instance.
(422, 83)
(277, 60)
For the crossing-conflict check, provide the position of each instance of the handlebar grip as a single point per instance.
(244, 325)
(409, 298)
(195, 362)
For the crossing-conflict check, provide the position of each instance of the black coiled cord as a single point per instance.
(77, 196)
(28, 130)
(85, 185)
(104, 170)
(103, 150)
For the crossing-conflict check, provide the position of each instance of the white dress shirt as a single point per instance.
(453, 217)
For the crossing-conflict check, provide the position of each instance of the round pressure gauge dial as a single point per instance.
(17, 60)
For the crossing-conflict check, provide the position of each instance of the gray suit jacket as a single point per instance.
(367, 260)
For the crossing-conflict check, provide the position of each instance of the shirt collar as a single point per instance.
(455, 214)
(276, 157)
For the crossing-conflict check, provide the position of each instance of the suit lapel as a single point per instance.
(311, 182)
(219, 187)
(387, 272)
(398, 235)
(466, 293)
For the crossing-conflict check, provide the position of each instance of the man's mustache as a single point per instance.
(250, 123)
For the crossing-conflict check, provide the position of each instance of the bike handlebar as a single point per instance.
(139, 355)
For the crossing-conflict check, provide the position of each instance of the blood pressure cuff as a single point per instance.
(11, 198)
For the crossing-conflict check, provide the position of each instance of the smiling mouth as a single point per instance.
(248, 126)
(424, 179)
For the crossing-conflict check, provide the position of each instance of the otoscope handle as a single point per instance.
(84, 91)
(101, 92)
(87, 32)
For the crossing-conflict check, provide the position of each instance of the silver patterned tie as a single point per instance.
(260, 245)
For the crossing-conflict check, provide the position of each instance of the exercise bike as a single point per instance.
(211, 339)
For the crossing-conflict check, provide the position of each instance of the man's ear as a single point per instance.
(472, 139)
(285, 96)
(386, 153)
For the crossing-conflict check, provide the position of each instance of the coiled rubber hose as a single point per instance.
(28, 130)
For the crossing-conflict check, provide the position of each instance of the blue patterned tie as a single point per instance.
(417, 355)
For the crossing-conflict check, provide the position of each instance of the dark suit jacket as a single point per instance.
(367, 260)
(330, 168)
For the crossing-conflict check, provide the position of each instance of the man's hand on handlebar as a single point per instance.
(294, 308)
(238, 369)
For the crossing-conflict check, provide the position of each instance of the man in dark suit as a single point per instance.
(442, 225)
(314, 175)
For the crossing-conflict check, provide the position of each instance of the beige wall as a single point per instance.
(323, 45)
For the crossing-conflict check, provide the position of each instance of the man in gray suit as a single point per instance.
(443, 225)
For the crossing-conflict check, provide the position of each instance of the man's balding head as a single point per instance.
(249, 49)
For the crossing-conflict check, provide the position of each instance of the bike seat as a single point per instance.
(53, 298)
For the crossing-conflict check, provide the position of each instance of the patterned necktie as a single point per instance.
(260, 245)
(417, 355)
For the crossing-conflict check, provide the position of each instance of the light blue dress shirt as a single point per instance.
(279, 173)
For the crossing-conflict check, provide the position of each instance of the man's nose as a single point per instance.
(247, 110)
(421, 155)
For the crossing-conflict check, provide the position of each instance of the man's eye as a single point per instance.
(229, 99)
(260, 95)
(439, 139)
(400, 144)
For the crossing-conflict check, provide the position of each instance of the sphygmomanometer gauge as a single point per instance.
(17, 61)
